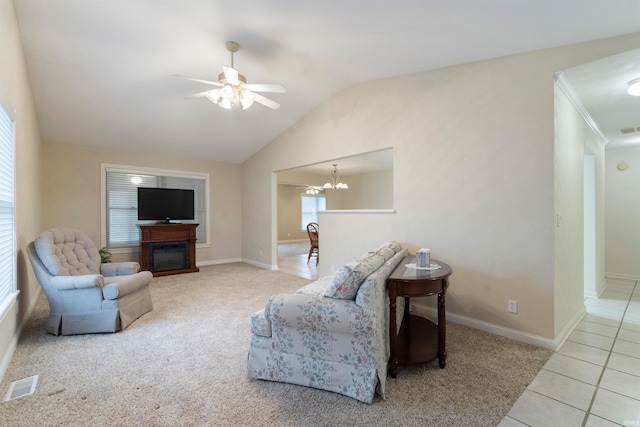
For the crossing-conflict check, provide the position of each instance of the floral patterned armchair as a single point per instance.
(332, 334)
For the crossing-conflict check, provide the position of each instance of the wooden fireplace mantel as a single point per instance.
(154, 233)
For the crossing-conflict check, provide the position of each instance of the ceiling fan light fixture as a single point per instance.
(634, 87)
(213, 96)
(227, 92)
(226, 104)
(247, 99)
(233, 89)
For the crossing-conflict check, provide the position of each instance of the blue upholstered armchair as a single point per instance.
(84, 295)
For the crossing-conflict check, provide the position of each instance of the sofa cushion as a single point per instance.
(395, 246)
(385, 252)
(320, 286)
(343, 278)
(349, 278)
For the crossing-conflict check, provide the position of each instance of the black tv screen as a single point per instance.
(165, 204)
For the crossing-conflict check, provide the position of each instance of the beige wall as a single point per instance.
(73, 186)
(289, 211)
(373, 190)
(473, 178)
(623, 214)
(15, 95)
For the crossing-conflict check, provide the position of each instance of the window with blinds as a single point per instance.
(121, 204)
(7, 224)
(310, 207)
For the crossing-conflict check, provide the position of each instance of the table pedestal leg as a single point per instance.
(442, 331)
(393, 338)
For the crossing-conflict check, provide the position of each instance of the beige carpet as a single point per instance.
(184, 364)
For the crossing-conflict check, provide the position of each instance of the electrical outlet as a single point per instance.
(512, 306)
(260, 253)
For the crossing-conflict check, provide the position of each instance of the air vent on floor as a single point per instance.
(21, 388)
(630, 130)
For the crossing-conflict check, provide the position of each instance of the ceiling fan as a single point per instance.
(232, 88)
(312, 190)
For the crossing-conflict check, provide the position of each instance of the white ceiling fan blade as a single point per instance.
(266, 102)
(256, 87)
(209, 82)
(230, 75)
(201, 94)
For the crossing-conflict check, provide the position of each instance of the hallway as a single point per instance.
(594, 379)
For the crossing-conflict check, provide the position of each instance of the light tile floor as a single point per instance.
(594, 379)
(297, 265)
(293, 257)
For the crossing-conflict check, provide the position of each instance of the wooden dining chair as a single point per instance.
(312, 231)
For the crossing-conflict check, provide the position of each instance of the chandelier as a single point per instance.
(334, 182)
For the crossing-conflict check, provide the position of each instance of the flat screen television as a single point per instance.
(165, 204)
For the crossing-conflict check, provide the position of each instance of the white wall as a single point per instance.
(623, 214)
(591, 227)
(15, 95)
(473, 178)
(573, 139)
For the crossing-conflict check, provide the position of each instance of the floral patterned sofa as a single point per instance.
(331, 334)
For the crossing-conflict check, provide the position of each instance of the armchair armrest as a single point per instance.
(119, 268)
(65, 283)
(319, 313)
(125, 285)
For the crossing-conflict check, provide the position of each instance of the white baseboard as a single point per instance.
(259, 264)
(487, 327)
(218, 261)
(8, 352)
(599, 289)
(570, 326)
(602, 286)
(621, 276)
(230, 260)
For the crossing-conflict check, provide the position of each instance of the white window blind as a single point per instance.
(7, 227)
(122, 203)
(310, 207)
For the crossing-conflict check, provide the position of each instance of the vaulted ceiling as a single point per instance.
(101, 71)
